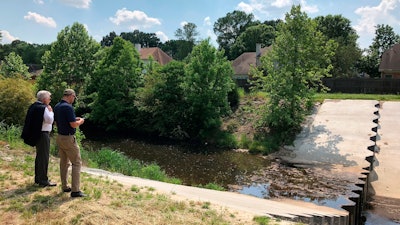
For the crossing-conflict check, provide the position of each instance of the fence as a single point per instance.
(362, 85)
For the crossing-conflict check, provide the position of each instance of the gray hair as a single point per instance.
(41, 95)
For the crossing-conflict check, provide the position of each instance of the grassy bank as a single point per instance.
(108, 202)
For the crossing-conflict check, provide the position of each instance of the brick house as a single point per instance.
(242, 64)
(390, 63)
(156, 53)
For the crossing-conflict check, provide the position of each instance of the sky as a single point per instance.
(40, 21)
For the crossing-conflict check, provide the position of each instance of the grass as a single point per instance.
(322, 96)
(108, 202)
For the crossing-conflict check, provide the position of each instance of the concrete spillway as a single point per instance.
(357, 139)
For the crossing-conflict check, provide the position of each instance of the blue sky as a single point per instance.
(39, 21)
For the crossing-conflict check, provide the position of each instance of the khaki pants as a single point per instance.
(69, 151)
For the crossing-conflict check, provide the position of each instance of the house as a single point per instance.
(242, 64)
(156, 53)
(390, 63)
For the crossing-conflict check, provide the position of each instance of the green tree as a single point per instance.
(116, 79)
(298, 60)
(178, 49)
(161, 100)
(144, 39)
(229, 28)
(70, 61)
(338, 28)
(384, 39)
(13, 67)
(108, 39)
(206, 85)
(188, 33)
(246, 42)
(17, 94)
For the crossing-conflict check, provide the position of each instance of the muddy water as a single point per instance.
(192, 165)
(241, 172)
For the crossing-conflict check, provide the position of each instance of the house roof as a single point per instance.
(241, 65)
(158, 55)
(391, 60)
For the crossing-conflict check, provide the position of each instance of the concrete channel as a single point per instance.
(343, 137)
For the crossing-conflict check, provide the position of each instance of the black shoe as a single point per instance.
(47, 184)
(77, 194)
(68, 189)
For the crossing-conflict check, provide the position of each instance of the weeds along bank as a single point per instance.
(22, 202)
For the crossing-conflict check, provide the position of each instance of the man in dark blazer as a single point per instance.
(36, 132)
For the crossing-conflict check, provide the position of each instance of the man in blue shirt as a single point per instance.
(68, 148)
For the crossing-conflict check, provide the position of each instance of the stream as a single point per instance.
(239, 171)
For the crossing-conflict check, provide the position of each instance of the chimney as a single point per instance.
(138, 47)
(258, 54)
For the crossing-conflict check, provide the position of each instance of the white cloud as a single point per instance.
(308, 8)
(282, 3)
(136, 19)
(268, 7)
(47, 21)
(80, 4)
(183, 23)
(163, 37)
(207, 21)
(247, 8)
(370, 16)
(40, 2)
(7, 37)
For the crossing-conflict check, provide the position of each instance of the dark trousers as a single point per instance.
(42, 158)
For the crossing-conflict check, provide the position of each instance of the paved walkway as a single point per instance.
(337, 136)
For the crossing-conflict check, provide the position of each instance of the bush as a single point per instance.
(16, 97)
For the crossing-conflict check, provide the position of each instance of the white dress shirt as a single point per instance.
(48, 119)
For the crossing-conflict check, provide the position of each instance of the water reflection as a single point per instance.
(192, 165)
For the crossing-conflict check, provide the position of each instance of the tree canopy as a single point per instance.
(347, 54)
(229, 28)
(13, 67)
(69, 62)
(299, 58)
(115, 80)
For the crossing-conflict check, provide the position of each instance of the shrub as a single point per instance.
(16, 96)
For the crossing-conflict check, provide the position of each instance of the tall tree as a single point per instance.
(178, 49)
(229, 28)
(108, 39)
(384, 39)
(162, 101)
(70, 61)
(144, 39)
(13, 67)
(338, 28)
(188, 33)
(246, 42)
(116, 79)
(206, 85)
(298, 60)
